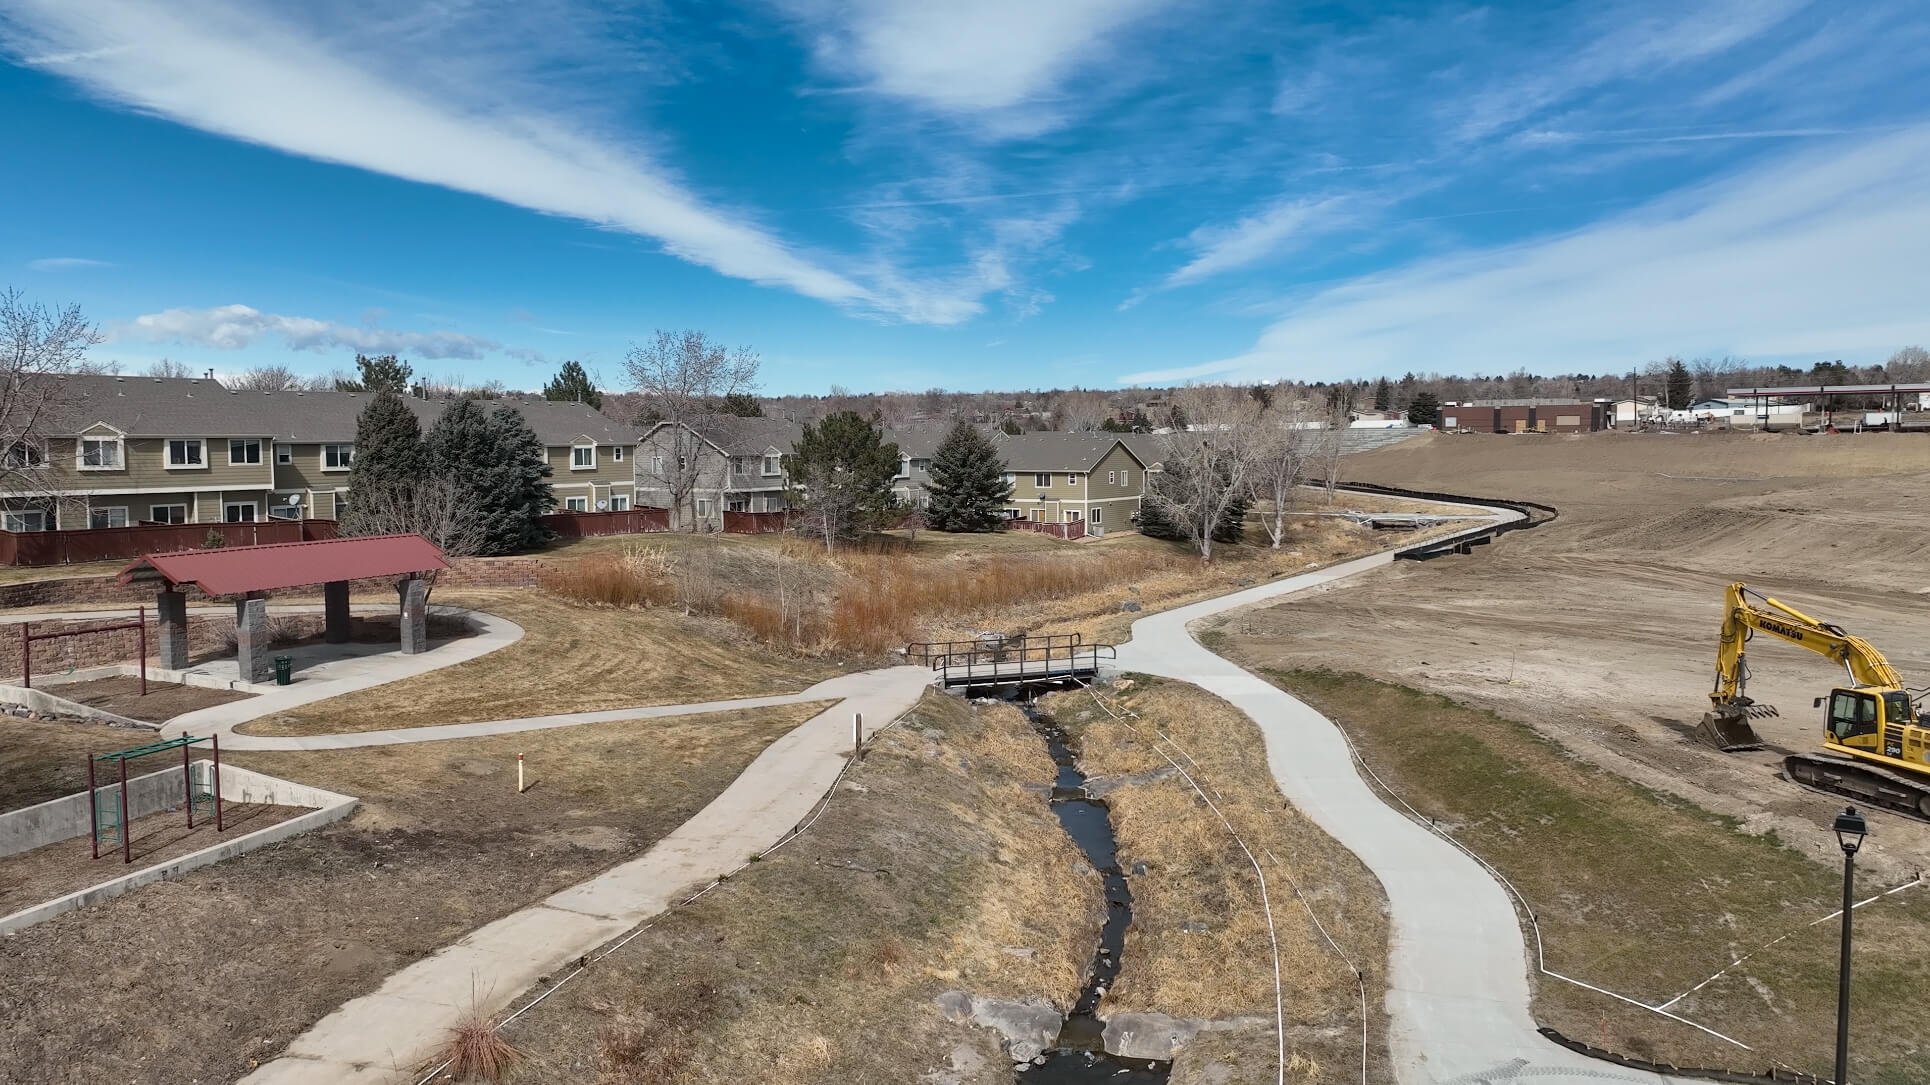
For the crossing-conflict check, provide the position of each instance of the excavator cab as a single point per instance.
(1862, 718)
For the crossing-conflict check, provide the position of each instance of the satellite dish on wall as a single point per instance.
(602, 506)
(295, 500)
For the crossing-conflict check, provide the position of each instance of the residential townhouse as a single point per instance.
(126, 450)
(739, 467)
(1062, 478)
(917, 444)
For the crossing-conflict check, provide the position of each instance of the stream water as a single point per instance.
(1079, 1056)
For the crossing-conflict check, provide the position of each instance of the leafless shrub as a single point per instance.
(476, 1050)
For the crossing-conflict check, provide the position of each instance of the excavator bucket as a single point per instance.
(1727, 728)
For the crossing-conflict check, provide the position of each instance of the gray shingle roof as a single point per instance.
(179, 407)
(1057, 451)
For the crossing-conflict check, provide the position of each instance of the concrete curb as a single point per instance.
(46, 703)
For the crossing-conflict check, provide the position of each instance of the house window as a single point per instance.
(773, 465)
(24, 520)
(338, 457)
(703, 509)
(583, 458)
(109, 517)
(1112, 478)
(619, 503)
(656, 465)
(239, 512)
(1098, 514)
(168, 514)
(616, 453)
(737, 504)
(240, 452)
(100, 453)
(185, 452)
(26, 454)
(904, 467)
(577, 504)
(1042, 480)
(1125, 478)
(1014, 514)
(284, 512)
(1072, 516)
(284, 454)
(341, 503)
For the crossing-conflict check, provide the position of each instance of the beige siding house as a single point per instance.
(129, 450)
(1060, 478)
(737, 466)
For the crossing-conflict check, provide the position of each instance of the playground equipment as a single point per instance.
(106, 816)
(28, 639)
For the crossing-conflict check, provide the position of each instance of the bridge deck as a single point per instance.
(1033, 670)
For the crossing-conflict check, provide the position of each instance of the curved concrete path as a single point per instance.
(381, 1036)
(1458, 971)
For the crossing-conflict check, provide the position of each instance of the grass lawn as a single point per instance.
(1647, 895)
(253, 950)
(932, 869)
(19, 574)
(1198, 944)
(571, 658)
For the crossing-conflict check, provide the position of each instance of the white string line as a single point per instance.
(1915, 880)
(1279, 998)
(797, 831)
(1541, 960)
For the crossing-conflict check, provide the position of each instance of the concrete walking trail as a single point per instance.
(382, 1036)
(1458, 992)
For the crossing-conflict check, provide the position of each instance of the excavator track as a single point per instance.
(1867, 784)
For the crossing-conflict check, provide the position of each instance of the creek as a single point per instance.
(1079, 1057)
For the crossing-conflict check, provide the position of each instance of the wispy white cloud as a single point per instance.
(1805, 253)
(66, 263)
(979, 58)
(337, 97)
(1273, 230)
(233, 327)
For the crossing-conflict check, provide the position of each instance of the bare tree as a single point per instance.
(267, 378)
(169, 368)
(1286, 449)
(1208, 467)
(683, 379)
(38, 347)
(436, 507)
(1331, 445)
(1079, 411)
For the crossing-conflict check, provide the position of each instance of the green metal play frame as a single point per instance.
(104, 816)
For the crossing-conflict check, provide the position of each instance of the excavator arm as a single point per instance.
(1748, 612)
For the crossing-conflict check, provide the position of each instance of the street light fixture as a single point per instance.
(1850, 831)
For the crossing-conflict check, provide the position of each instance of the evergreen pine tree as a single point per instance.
(842, 470)
(1425, 410)
(389, 457)
(1154, 523)
(1383, 395)
(572, 385)
(968, 487)
(519, 491)
(743, 405)
(385, 373)
(1680, 387)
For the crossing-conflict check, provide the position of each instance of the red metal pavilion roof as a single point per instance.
(236, 570)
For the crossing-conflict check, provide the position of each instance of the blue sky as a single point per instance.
(999, 194)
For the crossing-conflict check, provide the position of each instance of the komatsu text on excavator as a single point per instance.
(1876, 748)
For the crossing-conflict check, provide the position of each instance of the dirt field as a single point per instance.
(934, 868)
(441, 845)
(42, 874)
(42, 760)
(1600, 629)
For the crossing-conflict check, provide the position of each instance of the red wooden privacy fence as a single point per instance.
(582, 525)
(755, 523)
(107, 543)
(1074, 530)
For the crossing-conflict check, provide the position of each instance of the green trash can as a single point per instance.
(284, 670)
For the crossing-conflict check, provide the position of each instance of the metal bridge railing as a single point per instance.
(936, 654)
(1025, 662)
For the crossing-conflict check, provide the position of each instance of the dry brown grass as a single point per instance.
(442, 844)
(475, 1050)
(821, 962)
(571, 658)
(42, 760)
(1199, 945)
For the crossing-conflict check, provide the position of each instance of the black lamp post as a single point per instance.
(1850, 830)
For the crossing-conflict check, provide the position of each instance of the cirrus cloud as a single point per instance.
(233, 327)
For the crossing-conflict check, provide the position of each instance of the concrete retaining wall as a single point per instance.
(66, 818)
(49, 705)
(237, 784)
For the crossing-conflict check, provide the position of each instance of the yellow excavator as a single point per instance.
(1876, 749)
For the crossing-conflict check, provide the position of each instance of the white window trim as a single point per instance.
(575, 466)
(122, 509)
(321, 456)
(120, 454)
(616, 453)
(1099, 514)
(284, 454)
(170, 505)
(284, 512)
(260, 451)
(773, 465)
(1112, 478)
(30, 446)
(10, 517)
(168, 454)
(1042, 479)
(1126, 477)
(253, 507)
(576, 504)
(619, 503)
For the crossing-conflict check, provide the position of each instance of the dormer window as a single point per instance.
(100, 454)
(773, 464)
